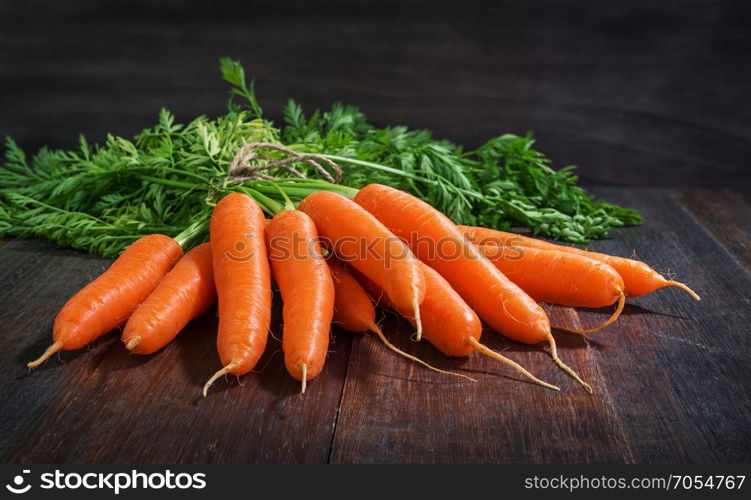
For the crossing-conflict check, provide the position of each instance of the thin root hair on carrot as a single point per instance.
(609, 321)
(482, 349)
(563, 366)
(271, 333)
(377, 331)
(55, 347)
(265, 365)
(304, 369)
(132, 343)
(685, 288)
(220, 373)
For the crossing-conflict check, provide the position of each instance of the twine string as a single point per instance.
(241, 169)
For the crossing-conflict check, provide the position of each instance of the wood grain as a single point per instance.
(670, 377)
(636, 93)
(682, 371)
(724, 214)
(104, 405)
(397, 412)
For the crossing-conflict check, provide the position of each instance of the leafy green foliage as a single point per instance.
(501, 184)
(234, 74)
(100, 198)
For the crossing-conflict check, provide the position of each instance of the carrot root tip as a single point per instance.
(55, 347)
(418, 321)
(214, 377)
(132, 343)
(685, 288)
(377, 331)
(482, 349)
(563, 366)
(304, 369)
(609, 321)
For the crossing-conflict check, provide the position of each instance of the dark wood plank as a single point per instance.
(106, 406)
(36, 280)
(678, 371)
(725, 215)
(638, 93)
(670, 377)
(395, 411)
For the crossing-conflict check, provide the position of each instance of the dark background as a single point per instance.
(636, 93)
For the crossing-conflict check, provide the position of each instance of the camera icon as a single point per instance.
(17, 486)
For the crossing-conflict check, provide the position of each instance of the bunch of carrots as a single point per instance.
(332, 257)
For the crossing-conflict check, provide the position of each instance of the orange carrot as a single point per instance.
(561, 278)
(448, 322)
(304, 280)
(354, 312)
(185, 293)
(437, 242)
(639, 278)
(356, 237)
(243, 284)
(108, 301)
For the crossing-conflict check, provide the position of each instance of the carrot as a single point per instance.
(354, 312)
(243, 284)
(561, 278)
(185, 293)
(108, 301)
(438, 243)
(356, 237)
(307, 289)
(448, 322)
(639, 278)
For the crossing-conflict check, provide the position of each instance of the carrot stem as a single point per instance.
(684, 287)
(55, 347)
(168, 182)
(304, 369)
(218, 374)
(482, 349)
(288, 205)
(402, 173)
(300, 188)
(563, 366)
(377, 331)
(610, 320)
(272, 207)
(189, 233)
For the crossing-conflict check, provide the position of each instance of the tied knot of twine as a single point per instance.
(241, 169)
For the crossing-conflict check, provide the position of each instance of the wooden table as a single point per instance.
(671, 377)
